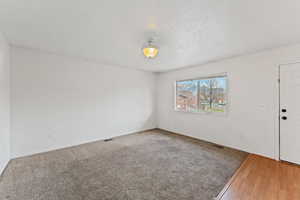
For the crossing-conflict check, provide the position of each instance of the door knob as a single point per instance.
(284, 118)
(283, 110)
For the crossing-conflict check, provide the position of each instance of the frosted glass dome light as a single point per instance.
(150, 50)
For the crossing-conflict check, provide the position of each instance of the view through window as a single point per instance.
(202, 94)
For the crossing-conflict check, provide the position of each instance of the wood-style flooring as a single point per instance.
(261, 178)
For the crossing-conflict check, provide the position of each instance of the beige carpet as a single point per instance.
(152, 165)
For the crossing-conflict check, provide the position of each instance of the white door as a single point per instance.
(290, 113)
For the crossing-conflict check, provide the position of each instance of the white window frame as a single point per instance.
(201, 78)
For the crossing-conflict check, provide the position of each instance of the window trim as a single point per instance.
(219, 75)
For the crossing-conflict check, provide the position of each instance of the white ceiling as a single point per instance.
(188, 32)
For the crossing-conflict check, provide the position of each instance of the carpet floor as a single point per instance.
(152, 165)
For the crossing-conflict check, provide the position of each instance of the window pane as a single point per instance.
(204, 95)
(186, 96)
(218, 94)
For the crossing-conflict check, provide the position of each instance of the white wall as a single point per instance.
(60, 101)
(252, 121)
(4, 104)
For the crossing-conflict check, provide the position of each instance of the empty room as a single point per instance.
(149, 100)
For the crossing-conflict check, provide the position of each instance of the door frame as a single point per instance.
(278, 132)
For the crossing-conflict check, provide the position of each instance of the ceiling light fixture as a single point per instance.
(150, 50)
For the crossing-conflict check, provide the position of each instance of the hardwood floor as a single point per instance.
(261, 178)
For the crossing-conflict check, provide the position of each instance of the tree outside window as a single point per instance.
(202, 95)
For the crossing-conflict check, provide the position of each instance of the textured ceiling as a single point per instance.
(187, 32)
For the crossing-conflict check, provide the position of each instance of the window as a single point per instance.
(202, 94)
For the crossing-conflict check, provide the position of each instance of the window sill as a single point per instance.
(225, 113)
